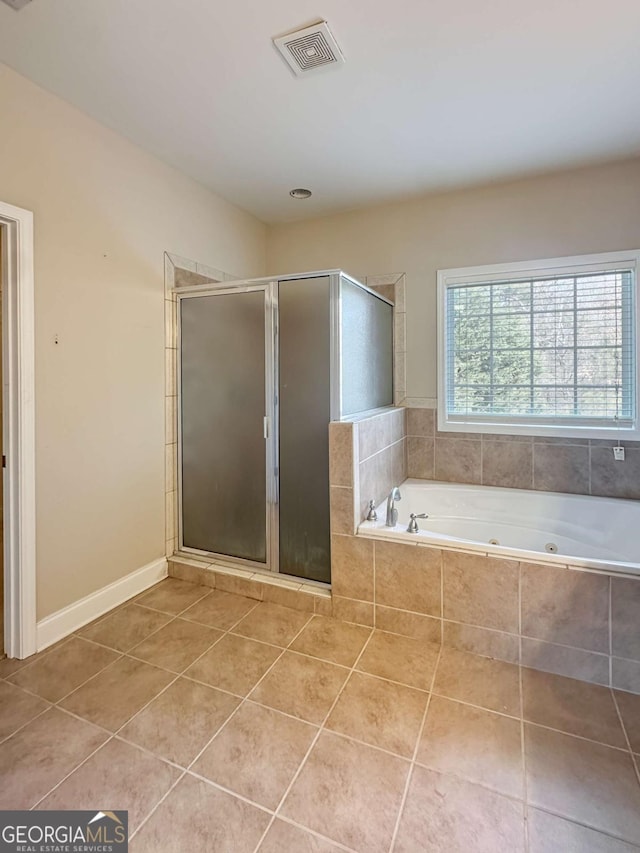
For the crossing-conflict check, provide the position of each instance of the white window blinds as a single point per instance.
(552, 350)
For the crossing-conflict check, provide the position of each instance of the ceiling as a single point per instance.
(433, 94)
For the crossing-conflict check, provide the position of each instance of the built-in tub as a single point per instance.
(577, 530)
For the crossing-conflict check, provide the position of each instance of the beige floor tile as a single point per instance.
(349, 792)
(118, 774)
(64, 669)
(177, 645)
(220, 610)
(272, 623)
(283, 837)
(181, 721)
(234, 663)
(571, 706)
(41, 754)
(551, 834)
(17, 708)
(332, 640)
(113, 696)
(125, 628)
(9, 666)
(198, 817)
(447, 815)
(583, 781)
(490, 684)
(301, 686)
(173, 596)
(474, 744)
(629, 705)
(380, 713)
(256, 754)
(403, 659)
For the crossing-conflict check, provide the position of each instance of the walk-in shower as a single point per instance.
(264, 365)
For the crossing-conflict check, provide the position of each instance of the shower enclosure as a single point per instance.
(264, 365)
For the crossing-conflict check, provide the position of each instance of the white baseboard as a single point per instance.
(64, 622)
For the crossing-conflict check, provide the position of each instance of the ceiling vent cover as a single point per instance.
(310, 49)
(16, 4)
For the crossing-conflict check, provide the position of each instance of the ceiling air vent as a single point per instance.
(16, 4)
(310, 49)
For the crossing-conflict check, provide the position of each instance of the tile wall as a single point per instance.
(575, 623)
(574, 465)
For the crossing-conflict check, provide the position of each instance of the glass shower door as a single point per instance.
(304, 334)
(223, 376)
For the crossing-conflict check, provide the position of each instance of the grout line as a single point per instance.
(71, 772)
(316, 834)
(520, 614)
(634, 760)
(230, 791)
(527, 721)
(442, 619)
(382, 450)
(130, 648)
(33, 719)
(38, 656)
(610, 632)
(375, 584)
(573, 820)
(93, 675)
(414, 756)
(523, 765)
(314, 741)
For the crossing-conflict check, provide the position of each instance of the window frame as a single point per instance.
(549, 267)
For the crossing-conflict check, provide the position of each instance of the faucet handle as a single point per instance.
(373, 515)
(413, 524)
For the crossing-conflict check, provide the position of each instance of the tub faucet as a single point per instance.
(392, 512)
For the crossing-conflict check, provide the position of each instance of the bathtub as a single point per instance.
(602, 534)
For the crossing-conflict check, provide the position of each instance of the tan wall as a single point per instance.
(105, 212)
(574, 212)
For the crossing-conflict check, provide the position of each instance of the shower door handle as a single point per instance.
(265, 427)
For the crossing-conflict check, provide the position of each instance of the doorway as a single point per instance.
(18, 432)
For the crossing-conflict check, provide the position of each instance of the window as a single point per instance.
(540, 348)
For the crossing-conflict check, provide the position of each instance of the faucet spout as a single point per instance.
(392, 512)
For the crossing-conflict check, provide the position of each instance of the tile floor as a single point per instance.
(226, 725)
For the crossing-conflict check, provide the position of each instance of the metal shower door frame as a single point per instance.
(269, 288)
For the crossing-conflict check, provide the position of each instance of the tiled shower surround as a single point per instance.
(573, 465)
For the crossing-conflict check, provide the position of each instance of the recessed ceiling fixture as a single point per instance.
(300, 192)
(310, 49)
(16, 4)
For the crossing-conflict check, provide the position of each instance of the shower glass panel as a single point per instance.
(367, 350)
(304, 335)
(223, 448)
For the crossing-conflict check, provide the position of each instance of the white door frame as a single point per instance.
(19, 492)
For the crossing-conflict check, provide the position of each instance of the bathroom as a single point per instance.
(466, 680)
